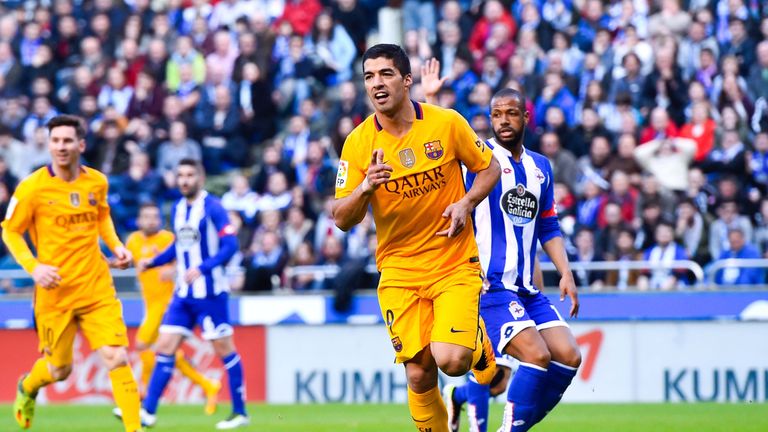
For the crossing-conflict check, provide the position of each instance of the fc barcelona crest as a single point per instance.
(407, 158)
(433, 150)
(74, 199)
(91, 199)
(396, 344)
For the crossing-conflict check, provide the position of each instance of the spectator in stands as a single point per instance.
(109, 154)
(690, 229)
(701, 129)
(736, 275)
(184, 54)
(304, 256)
(661, 255)
(689, 54)
(316, 174)
(276, 196)
(586, 252)
(300, 14)
(668, 160)
(594, 166)
(555, 93)
(334, 50)
(564, 164)
(624, 160)
(664, 87)
(729, 158)
(42, 111)
(179, 146)
(352, 15)
(758, 75)
(293, 74)
(728, 217)
(331, 254)
(218, 126)
(739, 45)
(493, 13)
(147, 99)
(588, 208)
(631, 83)
(607, 235)
(128, 191)
(298, 229)
(700, 191)
(267, 262)
(660, 126)
(258, 113)
(12, 151)
(622, 194)
(241, 199)
(624, 278)
(420, 16)
(757, 162)
(670, 20)
(582, 136)
(271, 162)
(36, 152)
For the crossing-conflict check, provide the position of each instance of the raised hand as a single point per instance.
(378, 172)
(431, 83)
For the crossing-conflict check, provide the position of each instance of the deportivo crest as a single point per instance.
(520, 205)
(516, 310)
(396, 344)
(433, 150)
(74, 199)
(407, 158)
(91, 199)
(539, 175)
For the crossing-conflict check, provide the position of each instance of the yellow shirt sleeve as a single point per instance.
(18, 219)
(352, 170)
(470, 149)
(106, 226)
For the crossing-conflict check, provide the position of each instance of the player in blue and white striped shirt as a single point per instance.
(521, 321)
(205, 241)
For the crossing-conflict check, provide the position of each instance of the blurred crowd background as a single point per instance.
(654, 114)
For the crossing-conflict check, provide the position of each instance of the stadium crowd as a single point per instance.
(654, 114)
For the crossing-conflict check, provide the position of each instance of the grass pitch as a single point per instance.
(386, 418)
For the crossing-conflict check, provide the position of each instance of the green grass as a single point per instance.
(385, 418)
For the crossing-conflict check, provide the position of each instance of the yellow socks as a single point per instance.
(147, 357)
(126, 394)
(38, 377)
(189, 371)
(428, 411)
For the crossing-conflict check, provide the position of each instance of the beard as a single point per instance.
(512, 142)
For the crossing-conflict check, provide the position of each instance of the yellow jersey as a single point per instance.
(427, 178)
(64, 220)
(153, 287)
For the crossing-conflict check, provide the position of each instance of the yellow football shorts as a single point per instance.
(419, 309)
(101, 323)
(154, 310)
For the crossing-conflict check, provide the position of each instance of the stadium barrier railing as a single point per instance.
(712, 269)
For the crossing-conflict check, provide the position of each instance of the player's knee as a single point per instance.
(114, 357)
(537, 355)
(455, 364)
(571, 357)
(500, 381)
(60, 373)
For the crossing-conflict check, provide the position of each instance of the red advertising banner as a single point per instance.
(89, 381)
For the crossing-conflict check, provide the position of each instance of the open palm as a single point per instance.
(431, 83)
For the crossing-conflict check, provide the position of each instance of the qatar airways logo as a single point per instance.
(418, 184)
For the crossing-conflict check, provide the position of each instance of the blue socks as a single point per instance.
(476, 396)
(160, 377)
(523, 398)
(559, 377)
(477, 405)
(234, 368)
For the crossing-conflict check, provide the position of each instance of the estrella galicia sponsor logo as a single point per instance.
(418, 184)
(396, 344)
(187, 236)
(433, 150)
(520, 205)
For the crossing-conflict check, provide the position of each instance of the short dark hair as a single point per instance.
(68, 120)
(148, 204)
(512, 94)
(191, 162)
(392, 52)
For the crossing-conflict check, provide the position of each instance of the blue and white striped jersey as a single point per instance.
(204, 239)
(517, 212)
